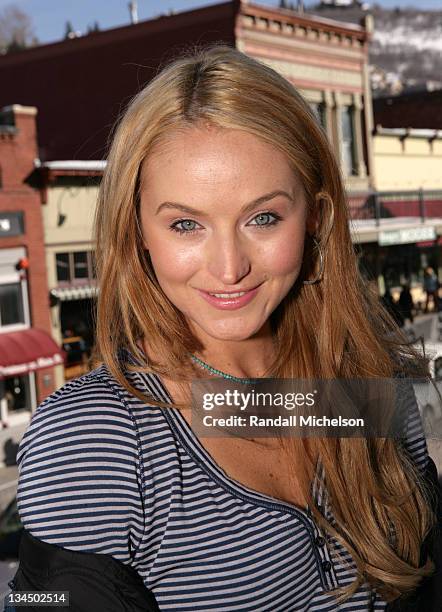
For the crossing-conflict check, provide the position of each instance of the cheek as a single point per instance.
(285, 260)
(284, 255)
(173, 263)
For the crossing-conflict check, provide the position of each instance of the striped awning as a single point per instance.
(82, 292)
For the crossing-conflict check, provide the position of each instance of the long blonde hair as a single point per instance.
(333, 329)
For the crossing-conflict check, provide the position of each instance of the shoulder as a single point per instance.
(79, 469)
(91, 402)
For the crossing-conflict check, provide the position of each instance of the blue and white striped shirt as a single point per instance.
(103, 472)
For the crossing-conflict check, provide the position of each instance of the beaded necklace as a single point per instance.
(215, 372)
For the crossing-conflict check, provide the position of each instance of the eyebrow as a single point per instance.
(246, 208)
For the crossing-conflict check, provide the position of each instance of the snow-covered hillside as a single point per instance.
(406, 51)
(408, 43)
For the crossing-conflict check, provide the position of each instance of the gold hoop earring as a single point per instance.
(321, 265)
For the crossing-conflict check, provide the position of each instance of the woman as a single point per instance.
(223, 250)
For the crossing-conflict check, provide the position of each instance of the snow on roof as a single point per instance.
(92, 165)
(416, 132)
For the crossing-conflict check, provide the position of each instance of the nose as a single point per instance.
(229, 259)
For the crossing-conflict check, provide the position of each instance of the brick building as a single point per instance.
(28, 354)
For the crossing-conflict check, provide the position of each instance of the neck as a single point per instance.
(249, 358)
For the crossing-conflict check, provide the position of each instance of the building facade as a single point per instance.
(68, 197)
(401, 233)
(407, 158)
(28, 354)
(327, 61)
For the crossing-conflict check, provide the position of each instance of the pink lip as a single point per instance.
(229, 303)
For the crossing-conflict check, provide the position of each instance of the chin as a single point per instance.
(233, 333)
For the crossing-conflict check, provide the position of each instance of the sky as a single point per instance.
(50, 16)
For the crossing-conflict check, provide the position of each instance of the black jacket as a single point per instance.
(100, 582)
(96, 582)
(428, 597)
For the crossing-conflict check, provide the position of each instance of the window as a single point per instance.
(319, 110)
(62, 262)
(348, 141)
(81, 265)
(93, 264)
(17, 393)
(76, 266)
(11, 304)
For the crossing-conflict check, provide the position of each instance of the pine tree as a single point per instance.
(93, 28)
(69, 30)
(16, 30)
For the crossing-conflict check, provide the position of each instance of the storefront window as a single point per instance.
(11, 304)
(398, 264)
(17, 393)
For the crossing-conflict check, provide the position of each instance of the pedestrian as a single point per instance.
(431, 287)
(392, 306)
(224, 255)
(405, 303)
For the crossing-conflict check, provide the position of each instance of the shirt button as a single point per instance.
(326, 566)
(319, 541)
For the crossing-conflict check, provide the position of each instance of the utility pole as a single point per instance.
(133, 10)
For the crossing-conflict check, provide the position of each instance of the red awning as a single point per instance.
(429, 243)
(28, 350)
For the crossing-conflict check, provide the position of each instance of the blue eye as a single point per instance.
(185, 229)
(262, 219)
(188, 226)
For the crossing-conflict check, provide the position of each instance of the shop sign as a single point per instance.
(406, 235)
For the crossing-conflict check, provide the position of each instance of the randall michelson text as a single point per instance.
(291, 420)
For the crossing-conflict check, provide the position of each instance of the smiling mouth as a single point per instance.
(229, 300)
(229, 294)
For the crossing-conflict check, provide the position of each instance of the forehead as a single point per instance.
(207, 158)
